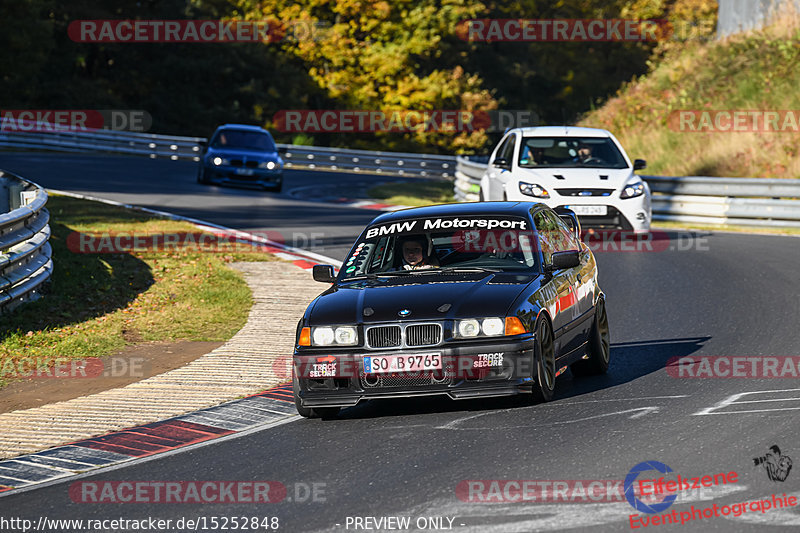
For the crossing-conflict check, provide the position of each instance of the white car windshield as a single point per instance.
(570, 152)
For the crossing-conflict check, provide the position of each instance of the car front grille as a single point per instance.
(584, 192)
(384, 337)
(397, 336)
(423, 334)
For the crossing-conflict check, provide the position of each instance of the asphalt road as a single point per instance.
(714, 294)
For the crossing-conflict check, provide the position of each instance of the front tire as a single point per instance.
(599, 346)
(201, 176)
(545, 362)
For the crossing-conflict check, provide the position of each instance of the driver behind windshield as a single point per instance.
(584, 153)
(415, 254)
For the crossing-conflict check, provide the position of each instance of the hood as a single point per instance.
(426, 298)
(591, 178)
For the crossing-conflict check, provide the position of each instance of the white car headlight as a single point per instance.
(323, 336)
(532, 189)
(632, 190)
(334, 336)
(472, 327)
(269, 165)
(468, 328)
(493, 326)
(346, 335)
(220, 161)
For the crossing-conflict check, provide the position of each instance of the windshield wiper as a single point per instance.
(376, 275)
(469, 269)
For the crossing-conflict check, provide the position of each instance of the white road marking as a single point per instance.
(640, 412)
(732, 400)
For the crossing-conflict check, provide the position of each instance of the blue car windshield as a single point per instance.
(428, 246)
(246, 140)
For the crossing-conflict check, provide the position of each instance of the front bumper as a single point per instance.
(503, 368)
(243, 176)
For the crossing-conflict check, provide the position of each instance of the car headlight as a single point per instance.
(532, 189)
(632, 190)
(329, 336)
(220, 161)
(269, 165)
(488, 327)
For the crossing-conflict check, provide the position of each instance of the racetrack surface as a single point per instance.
(704, 294)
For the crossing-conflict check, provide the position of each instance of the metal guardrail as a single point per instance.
(295, 156)
(694, 199)
(119, 142)
(25, 253)
(368, 162)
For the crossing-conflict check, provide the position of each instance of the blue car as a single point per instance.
(239, 154)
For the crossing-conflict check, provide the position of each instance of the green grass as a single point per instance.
(749, 71)
(416, 193)
(98, 303)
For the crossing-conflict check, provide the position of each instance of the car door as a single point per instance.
(500, 168)
(563, 282)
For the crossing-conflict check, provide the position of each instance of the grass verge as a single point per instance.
(98, 303)
(416, 193)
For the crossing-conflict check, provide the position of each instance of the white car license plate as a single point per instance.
(244, 171)
(590, 210)
(379, 364)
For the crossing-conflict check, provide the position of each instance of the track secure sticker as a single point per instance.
(635, 502)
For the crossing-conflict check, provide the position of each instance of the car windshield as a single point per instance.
(247, 140)
(443, 244)
(563, 152)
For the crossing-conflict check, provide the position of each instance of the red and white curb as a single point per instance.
(262, 410)
(266, 408)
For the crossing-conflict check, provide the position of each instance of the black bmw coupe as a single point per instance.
(468, 300)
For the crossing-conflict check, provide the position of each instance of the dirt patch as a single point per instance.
(132, 364)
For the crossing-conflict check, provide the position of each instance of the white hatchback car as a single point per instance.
(584, 169)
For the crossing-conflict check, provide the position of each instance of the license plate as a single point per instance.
(244, 171)
(590, 210)
(380, 364)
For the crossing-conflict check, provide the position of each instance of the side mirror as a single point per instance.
(639, 164)
(500, 162)
(323, 273)
(203, 146)
(569, 259)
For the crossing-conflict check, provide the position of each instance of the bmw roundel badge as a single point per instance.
(404, 312)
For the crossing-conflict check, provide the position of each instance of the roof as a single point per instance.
(460, 209)
(563, 131)
(246, 127)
